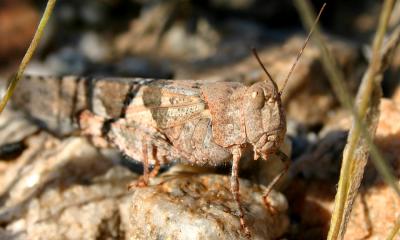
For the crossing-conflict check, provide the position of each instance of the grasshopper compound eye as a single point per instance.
(258, 98)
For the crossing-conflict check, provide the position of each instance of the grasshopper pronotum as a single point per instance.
(160, 121)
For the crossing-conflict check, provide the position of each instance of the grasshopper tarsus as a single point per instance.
(139, 183)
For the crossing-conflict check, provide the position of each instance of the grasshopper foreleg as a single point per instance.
(235, 189)
(285, 159)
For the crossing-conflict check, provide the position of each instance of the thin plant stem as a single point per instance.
(29, 53)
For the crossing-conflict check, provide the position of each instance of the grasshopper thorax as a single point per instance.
(264, 118)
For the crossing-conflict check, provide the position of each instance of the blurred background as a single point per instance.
(99, 36)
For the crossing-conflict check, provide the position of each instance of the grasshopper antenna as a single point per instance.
(262, 65)
(302, 49)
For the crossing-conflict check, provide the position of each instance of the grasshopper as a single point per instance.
(158, 121)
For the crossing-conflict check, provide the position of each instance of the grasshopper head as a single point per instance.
(264, 118)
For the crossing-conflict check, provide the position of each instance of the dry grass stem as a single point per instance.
(29, 53)
(394, 230)
(368, 97)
